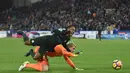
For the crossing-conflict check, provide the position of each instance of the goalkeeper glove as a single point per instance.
(78, 69)
(79, 52)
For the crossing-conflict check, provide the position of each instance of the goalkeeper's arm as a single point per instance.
(69, 61)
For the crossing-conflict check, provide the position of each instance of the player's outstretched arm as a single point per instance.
(69, 61)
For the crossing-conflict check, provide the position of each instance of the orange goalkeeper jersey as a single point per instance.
(60, 51)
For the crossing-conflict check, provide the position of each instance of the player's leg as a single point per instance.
(33, 42)
(40, 53)
(28, 53)
(25, 37)
(40, 66)
(23, 66)
(99, 35)
(31, 52)
(35, 50)
(37, 53)
(40, 41)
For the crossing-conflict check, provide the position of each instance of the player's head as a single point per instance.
(71, 30)
(71, 46)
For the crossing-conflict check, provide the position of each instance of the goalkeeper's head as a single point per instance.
(71, 46)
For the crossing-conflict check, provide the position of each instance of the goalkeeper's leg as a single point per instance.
(40, 66)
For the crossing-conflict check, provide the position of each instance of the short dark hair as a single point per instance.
(70, 26)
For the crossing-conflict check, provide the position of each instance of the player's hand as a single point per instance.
(75, 55)
(78, 69)
(79, 52)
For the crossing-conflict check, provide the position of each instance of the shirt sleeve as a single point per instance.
(66, 53)
(63, 51)
(69, 61)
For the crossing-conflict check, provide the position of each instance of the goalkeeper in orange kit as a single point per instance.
(43, 65)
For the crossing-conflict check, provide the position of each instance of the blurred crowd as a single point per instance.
(53, 14)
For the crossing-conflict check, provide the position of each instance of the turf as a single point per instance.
(97, 57)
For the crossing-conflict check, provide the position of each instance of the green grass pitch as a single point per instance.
(97, 57)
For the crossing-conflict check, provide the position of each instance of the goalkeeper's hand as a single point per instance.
(78, 69)
(79, 52)
(75, 55)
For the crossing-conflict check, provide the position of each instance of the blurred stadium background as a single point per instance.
(40, 17)
(112, 16)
